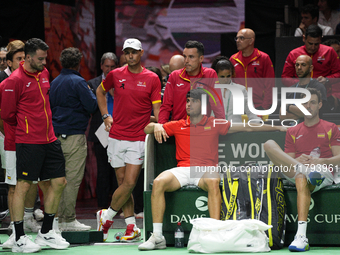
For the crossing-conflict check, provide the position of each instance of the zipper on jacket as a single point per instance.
(26, 122)
(47, 124)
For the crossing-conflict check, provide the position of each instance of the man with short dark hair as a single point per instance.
(72, 103)
(312, 149)
(196, 146)
(310, 16)
(25, 104)
(105, 173)
(326, 64)
(189, 77)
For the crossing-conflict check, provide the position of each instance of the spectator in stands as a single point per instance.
(191, 76)
(137, 92)
(328, 13)
(14, 56)
(314, 142)
(176, 62)
(106, 180)
(39, 154)
(304, 68)
(326, 64)
(72, 104)
(253, 69)
(310, 16)
(225, 70)
(335, 44)
(3, 62)
(196, 145)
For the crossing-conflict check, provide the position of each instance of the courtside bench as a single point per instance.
(191, 202)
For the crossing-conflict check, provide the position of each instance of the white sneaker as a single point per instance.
(9, 243)
(38, 214)
(51, 239)
(300, 243)
(25, 245)
(31, 225)
(154, 243)
(102, 224)
(74, 226)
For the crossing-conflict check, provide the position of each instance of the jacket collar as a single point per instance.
(184, 75)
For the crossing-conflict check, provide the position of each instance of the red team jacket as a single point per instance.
(177, 87)
(25, 104)
(325, 61)
(258, 65)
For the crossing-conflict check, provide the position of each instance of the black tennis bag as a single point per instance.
(252, 191)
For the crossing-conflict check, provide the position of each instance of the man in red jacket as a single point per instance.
(253, 69)
(25, 104)
(190, 77)
(325, 60)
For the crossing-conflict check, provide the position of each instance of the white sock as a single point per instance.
(158, 229)
(130, 220)
(55, 225)
(28, 212)
(302, 228)
(110, 213)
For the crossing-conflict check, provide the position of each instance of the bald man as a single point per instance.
(176, 62)
(304, 68)
(251, 65)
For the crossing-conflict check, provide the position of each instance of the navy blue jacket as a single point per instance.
(72, 103)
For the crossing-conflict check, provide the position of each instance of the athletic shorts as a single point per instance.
(11, 170)
(184, 176)
(2, 153)
(328, 180)
(121, 152)
(44, 161)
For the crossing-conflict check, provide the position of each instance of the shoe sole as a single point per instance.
(42, 242)
(294, 248)
(156, 248)
(17, 250)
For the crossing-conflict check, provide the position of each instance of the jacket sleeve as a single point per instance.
(9, 101)
(87, 98)
(168, 101)
(288, 72)
(269, 83)
(335, 65)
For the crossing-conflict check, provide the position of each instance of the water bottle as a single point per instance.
(316, 152)
(179, 236)
(118, 236)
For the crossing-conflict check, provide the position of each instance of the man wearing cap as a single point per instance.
(136, 92)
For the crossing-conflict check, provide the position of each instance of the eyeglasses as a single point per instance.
(2, 60)
(241, 38)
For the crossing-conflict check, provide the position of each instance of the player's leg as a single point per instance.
(167, 181)
(211, 184)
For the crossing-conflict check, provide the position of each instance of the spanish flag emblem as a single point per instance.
(321, 135)
(24, 173)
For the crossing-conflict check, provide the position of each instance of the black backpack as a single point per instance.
(251, 191)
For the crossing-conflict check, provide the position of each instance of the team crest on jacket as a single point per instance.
(141, 84)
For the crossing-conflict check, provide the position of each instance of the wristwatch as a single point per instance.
(105, 116)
